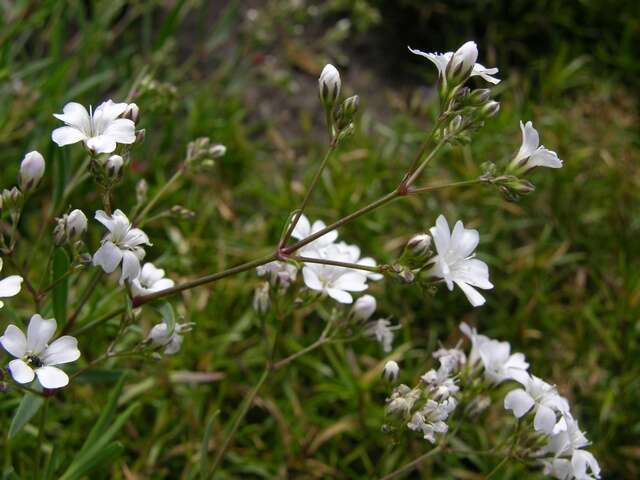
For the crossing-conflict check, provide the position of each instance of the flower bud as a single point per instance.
(479, 97)
(329, 86)
(31, 171)
(346, 112)
(364, 307)
(490, 109)
(461, 63)
(218, 150)
(182, 212)
(12, 200)
(114, 166)
(391, 370)
(132, 112)
(140, 136)
(76, 224)
(419, 244)
(142, 190)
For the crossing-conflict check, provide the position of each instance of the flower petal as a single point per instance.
(52, 377)
(441, 235)
(302, 229)
(130, 266)
(39, 332)
(544, 420)
(519, 402)
(121, 130)
(62, 350)
(20, 371)
(311, 279)
(351, 281)
(108, 256)
(10, 286)
(530, 141)
(14, 341)
(474, 297)
(340, 295)
(75, 115)
(67, 136)
(464, 240)
(102, 144)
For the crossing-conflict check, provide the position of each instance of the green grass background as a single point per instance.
(564, 260)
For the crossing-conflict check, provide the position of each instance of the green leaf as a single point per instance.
(103, 456)
(204, 448)
(168, 316)
(28, 407)
(61, 289)
(108, 411)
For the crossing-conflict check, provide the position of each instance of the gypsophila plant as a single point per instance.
(313, 267)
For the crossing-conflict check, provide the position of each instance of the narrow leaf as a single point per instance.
(28, 407)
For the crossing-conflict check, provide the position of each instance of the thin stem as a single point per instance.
(43, 419)
(411, 465)
(431, 188)
(497, 467)
(324, 261)
(98, 321)
(165, 188)
(305, 201)
(27, 283)
(286, 361)
(138, 301)
(358, 213)
(412, 178)
(56, 282)
(83, 300)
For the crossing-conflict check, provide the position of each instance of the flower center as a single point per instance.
(35, 361)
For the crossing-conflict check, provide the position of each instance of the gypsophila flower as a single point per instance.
(391, 370)
(172, 341)
(123, 244)
(430, 419)
(9, 286)
(151, 279)
(402, 400)
(531, 153)
(364, 307)
(279, 273)
(454, 262)
(382, 331)
(539, 396)
(304, 229)
(35, 356)
(463, 58)
(100, 130)
(351, 254)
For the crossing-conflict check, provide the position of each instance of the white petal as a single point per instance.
(67, 136)
(441, 235)
(340, 295)
(162, 284)
(464, 240)
(108, 257)
(75, 115)
(544, 420)
(311, 279)
(20, 371)
(109, 110)
(543, 157)
(351, 281)
(518, 401)
(14, 341)
(581, 460)
(135, 237)
(52, 377)
(530, 141)
(101, 144)
(10, 286)
(485, 73)
(63, 350)
(302, 229)
(370, 262)
(104, 219)
(39, 332)
(474, 272)
(130, 266)
(472, 294)
(121, 130)
(440, 60)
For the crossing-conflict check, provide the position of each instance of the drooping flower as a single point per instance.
(9, 286)
(160, 335)
(466, 55)
(540, 396)
(531, 154)
(454, 262)
(151, 279)
(123, 244)
(382, 331)
(391, 370)
(100, 130)
(35, 356)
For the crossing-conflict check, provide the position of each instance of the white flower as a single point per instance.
(383, 332)
(540, 396)
(31, 170)
(463, 55)
(430, 420)
(123, 244)
(402, 400)
(151, 279)
(454, 262)
(304, 229)
(172, 341)
(531, 153)
(114, 166)
(281, 273)
(335, 281)
(476, 340)
(76, 223)
(9, 286)
(35, 356)
(329, 85)
(364, 307)
(100, 130)
(581, 466)
(391, 370)
(498, 362)
(352, 255)
(451, 359)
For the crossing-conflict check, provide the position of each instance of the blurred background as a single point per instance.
(564, 260)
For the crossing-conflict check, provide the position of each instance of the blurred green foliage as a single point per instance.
(564, 260)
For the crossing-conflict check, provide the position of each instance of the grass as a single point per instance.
(564, 260)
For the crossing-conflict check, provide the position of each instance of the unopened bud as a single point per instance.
(455, 124)
(513, 187)
(31, 171)
(404, 273)
(182, 212)
(346, 112)
(391, 371)
(364, 307)
(329, 85)
(490, 109)
(114, 166)
(479, 97)
(461, 64)
(419, 244)
(12, 200)
(142, 190)
(140, 136)
(218, 150)
(76, 224)
(132, 112)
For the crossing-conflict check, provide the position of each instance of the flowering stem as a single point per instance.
(440, 187)
(27, 283)
(323, 261)
(498, 467)
(305, 201)
(138, 301)
(140, 218)
(83, 300)
(286, 361)
(98, 321)
(411, 465)
(412, 178)
(43, 419)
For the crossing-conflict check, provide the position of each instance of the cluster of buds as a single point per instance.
(340, 116)
(201, 154)
(11, 201)
(70, 227)
(182, 212)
